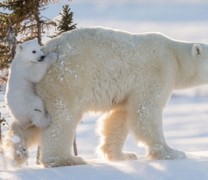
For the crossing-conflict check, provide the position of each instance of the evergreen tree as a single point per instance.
(4, 49)
(66, 22)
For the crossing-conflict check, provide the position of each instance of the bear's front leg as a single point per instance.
(145, 121)
(57, 139)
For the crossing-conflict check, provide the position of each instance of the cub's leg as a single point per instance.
(39, 117)
(145, 121)
(113, 130)
(14, 145)
(18, 140)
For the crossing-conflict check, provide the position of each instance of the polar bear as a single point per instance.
(27, 68)
(128, 76)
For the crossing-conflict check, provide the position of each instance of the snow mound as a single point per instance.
(193, 167)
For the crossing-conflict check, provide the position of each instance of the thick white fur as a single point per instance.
(27, 68)
(130, 76)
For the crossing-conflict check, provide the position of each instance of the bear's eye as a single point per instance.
(34, 52)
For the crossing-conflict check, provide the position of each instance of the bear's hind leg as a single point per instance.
(145, 121)
(113, 130)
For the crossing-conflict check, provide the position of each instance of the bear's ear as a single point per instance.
(19, 48)
(196, 50)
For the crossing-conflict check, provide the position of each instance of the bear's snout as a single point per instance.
(41, 58)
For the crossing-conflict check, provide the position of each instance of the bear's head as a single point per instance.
(30, 51)
(199, 55)
(197, 50)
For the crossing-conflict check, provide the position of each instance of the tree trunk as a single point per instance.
(38, 22)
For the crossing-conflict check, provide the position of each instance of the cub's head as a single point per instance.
(30, 51)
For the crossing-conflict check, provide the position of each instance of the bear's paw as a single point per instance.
(165, 152)
(70, 161)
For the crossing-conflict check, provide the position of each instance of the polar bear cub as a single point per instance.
(28, 67)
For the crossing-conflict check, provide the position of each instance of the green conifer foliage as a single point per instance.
(66, 22)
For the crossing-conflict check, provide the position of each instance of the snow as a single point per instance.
(193, 168)
(185, 118)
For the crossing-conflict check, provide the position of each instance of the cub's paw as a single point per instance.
(20, 154)
(52, 57)
(42, 122)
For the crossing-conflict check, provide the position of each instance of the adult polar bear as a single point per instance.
(130, 76)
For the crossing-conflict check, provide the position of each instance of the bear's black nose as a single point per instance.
(41, 58)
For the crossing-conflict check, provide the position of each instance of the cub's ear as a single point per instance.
(19, 48)
(196, 50)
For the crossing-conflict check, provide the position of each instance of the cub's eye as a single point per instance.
(34, 52)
